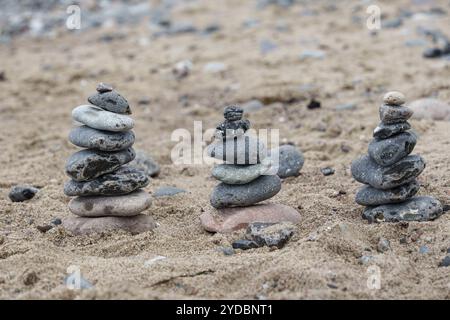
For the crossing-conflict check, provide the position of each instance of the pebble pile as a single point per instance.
(107, 191)
(389, 171)
(244, 177)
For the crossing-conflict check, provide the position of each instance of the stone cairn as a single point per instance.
(390, 172)
(107, 192)
(244, 178)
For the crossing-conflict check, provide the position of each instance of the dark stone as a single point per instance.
(327, 171)
(244, 244)
(384, 131)
(86, 137)
(367, 171)
(389, 151)
(125, 180)
(22, 193)
(270, 234)
(56, 221)
(225, 195)
(314, 104)
(433, 53)
(231, 129)
(86, 165)
(110, 101)
(394, 114)
(44, 228)
(415, 209)
(369, 196)
(445, 262)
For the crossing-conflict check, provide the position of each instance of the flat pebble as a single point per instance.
(394, 114)
(243, 150)
(100, 119)
(227, 220)
(110, 101)
(106, 206)
(234, 174)
(263, 188)
(388, 151)
(89, 138)
(290, 160)
(145, 162)
(367, 171)
(244, 244)
(369, 196)
(85, 225)
(430, 108)
(270, 234)
(167, 192)
(422, 208)
(384, 131)
(89, 164)
(22, 193)
(122, 181)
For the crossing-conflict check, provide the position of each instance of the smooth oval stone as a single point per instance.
(394, 98)
(227, 195)
(233, 174)
(389, 151)
(241, 150)
(394, 114)
(125, 180)
(415, 209)
(89, 138)
(22, 193)
(145, 162)
(89, 164)
(384, 131)
(369, 196)
(367, 171)
(230, 219)
(430, 108)
(105, 206)
(100, 119)
(85, 226)
(290, 160)
(167, 192)
(110, 101)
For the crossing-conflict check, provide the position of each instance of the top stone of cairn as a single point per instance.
(233, 113)
(394, 98)
(110, 100)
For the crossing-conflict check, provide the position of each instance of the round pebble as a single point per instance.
(89, 138)
(105, 206)
(22, 193)
(290, 160)
(100, 119)
(394, 98)
(369, 196)
(225, 195)
(89, 164)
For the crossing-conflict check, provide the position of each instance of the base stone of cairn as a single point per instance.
(245, 179)
(108, 194)
(389, 171)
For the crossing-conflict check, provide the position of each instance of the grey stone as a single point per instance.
(225, 195)
(145, 162)
(394, 114)
(327, 171)
(290, 160)
(252, 105)
(384, 131)
(383, 245)
(86, 226)
(107, 206)
(242, 150)
(110, 101)
(244, 244)
(124, 180)
(415, 209)
(315, 54)
(346, 106)
(89, 164)
(100, 119)
(22, 193)
(424, 249)
(390, 150)
(228, 251)
(89, 138)
(445, 262)
(431, 109)
(167, 192)
(369, 196)
(104, 87)
(270, 234)
(233, 174)
(77, 282)
(233, 113)
(367, 171)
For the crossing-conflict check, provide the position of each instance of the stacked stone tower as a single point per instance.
(107, 191)
(389, 171)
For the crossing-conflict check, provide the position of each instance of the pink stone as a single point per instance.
(231, 219)
(134, 225)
